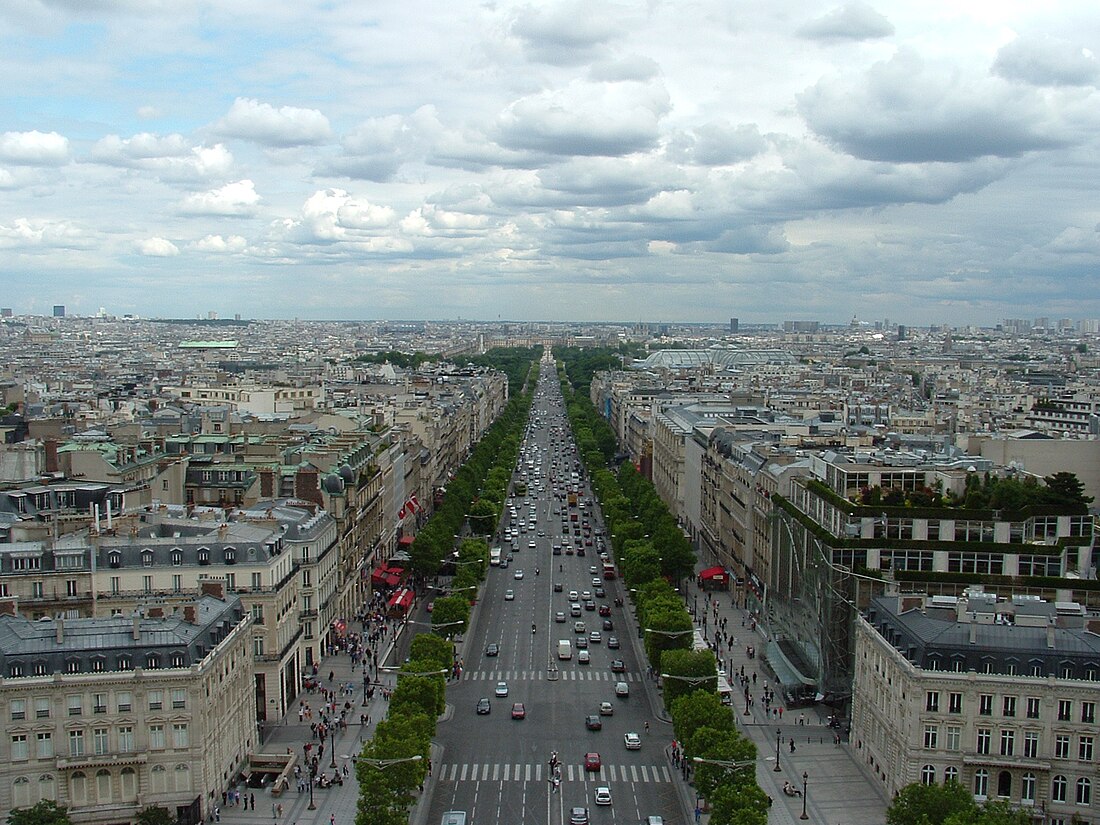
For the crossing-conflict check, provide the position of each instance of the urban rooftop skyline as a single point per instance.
(562, 161)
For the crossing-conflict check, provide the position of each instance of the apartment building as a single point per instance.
(108, 716)
(999, 695)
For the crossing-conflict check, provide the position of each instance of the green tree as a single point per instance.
(738, 804)
(919, 804)
(419, 694)
(450, 616)
(1066, 488)
(44, 812)
(689, 670)
(725, 746)
(155, 815)
(484, 515)
(429, 647)
(697, 710)
(991, 813)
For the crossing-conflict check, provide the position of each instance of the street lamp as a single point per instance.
(385, 763)
(778, 733)
(668, 632)
(399, 672)
(724, 763)
(311, 807)
(805, 779)
(332, 744)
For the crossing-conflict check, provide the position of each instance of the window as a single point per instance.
(953, 737)
(258, 646)
(985, 704)
(1032, 707)
(76, 704)
(18, 709)
(156, 699)
(15, 670)
(76, 743)
(125, 662)
(45, 745)
(147, 584)
(204, 555)
(928, 775)
(125, 701)
(1008, 744)
(177, 557)
(99, 703)
(931, 736)
(179, 735)
(70, 587)
(1008, 706)
(103, 785)
(1004, 784)
(146, 558)
(984, 737)
(72, 666)
(178, 659)
(47, 787)
(950, 774)
(126, 739)
(954, 703)
(156, 737)
(1065, 710)
(78, 788)
(177, 582)
(99, 741)
(116, 585)
(160, 778)
(1088, 712)
(1058, 789)
(1061, 746)
(981, 782)
(152, 661)
(179, 698)
(183, 778)
(1084, 791)
(257, 614)
(1031, 744)
(129, 785)
(1027, 788)
(99, 664)
(20, 749)
(41, 708)
(257, 581)
(932, 701)
(1084, 748)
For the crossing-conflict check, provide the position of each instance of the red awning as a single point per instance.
(401, 600)
(717, 573)
(387, 574)
(405, 541)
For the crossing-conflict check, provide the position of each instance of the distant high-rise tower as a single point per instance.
(903, 332)
(58, 310)
(733, 325)
(5, 312)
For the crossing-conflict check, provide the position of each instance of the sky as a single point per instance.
(690, 161)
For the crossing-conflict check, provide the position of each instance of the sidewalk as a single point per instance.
(839, 791)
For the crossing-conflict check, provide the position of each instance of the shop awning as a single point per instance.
(388, 575)
(401, 600)
(717, 573)
(405, 541)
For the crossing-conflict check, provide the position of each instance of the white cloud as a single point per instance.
(34, 148)
(853, 21)
(170, 157)
(566, 33)
(220, 243)
(264, 124)
(37, 234)
(239, 199)
(333, 215)
(156, 248)
(1047, 61)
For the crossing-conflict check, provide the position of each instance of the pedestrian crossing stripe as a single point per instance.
(540, 675)
(540, 772)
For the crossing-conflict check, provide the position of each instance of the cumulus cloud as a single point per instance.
(717, 144)
(905, 111)
(631, 67)
(220, 243)
(264, 124)
(234, 200)
(567, 33)
(333, 215)
(586, 119)
(34, 148)
(377, 148)
(156, 248)
(38, 234)
(171, 157)
(853, 21)
(1046, 61)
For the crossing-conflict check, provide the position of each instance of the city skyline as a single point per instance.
(552, 161)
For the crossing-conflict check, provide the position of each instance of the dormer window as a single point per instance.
(177, 557)
(146, 557)
(178, 659)
(204, 555)
(125, 663)
(114, 558)
(230, 555)
(152, 661)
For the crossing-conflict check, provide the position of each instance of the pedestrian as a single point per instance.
(217, 814)
(332, 819)
(792, 744)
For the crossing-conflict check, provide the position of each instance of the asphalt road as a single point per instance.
(496, 768)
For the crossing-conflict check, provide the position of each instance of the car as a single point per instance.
(582, 642)
(542, 534)
(518, 574)
(559, 617)
(573, 596)
(607, 709)
(504, 564)
(605, 610)
(509, 595)
(586, 596)
(598, 591)
(618, 666)
(622, 689)
(519, 711)
(653, 820)
(593, 722)
(595, 583)
(593, 569)
(483, 706)
(592, 761)
(613, 642)
(557, 587)
(578, 816)
(603, 795)
(492, 649)
(632, 741)
(589, 605)
(557, 550)
(583, 657)
(595, 637)
(531, 545)
(502, 689)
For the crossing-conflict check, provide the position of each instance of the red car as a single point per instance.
(519, 711)
(605, 610)
(591, 761)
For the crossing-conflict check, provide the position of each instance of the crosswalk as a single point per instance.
(579, 675)
(540, 772)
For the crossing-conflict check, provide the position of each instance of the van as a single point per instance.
(565, 649)
(454, 818)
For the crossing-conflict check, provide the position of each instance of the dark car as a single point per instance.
(493, 649)
(593, 722)
(608, 624)
(483, 706)
(605, 610)
(613, 642)
(557, 587)
(618, 666)
(578, 816)
(582, 642)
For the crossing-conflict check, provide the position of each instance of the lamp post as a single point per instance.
(805, 779)
(778, 733)
(366, 683)
(311, 807)
(747, 698)
(332, 744)
(380, 764)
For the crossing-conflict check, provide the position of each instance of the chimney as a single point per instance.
(1050, 634)
(7, 608)
(108, 502)
(52, 465)
(137, 628)
(973, 633)
(59, 626)
(213, 588)
(156, 612)
(190, 614)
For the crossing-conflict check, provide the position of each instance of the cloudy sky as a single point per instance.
(685, 160)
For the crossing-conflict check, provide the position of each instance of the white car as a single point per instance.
(531, 545)
(509, 595)
(518, 574)
(573, 596)
(502, 689)
(603, 795)
(621, 689)
(632, 741)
